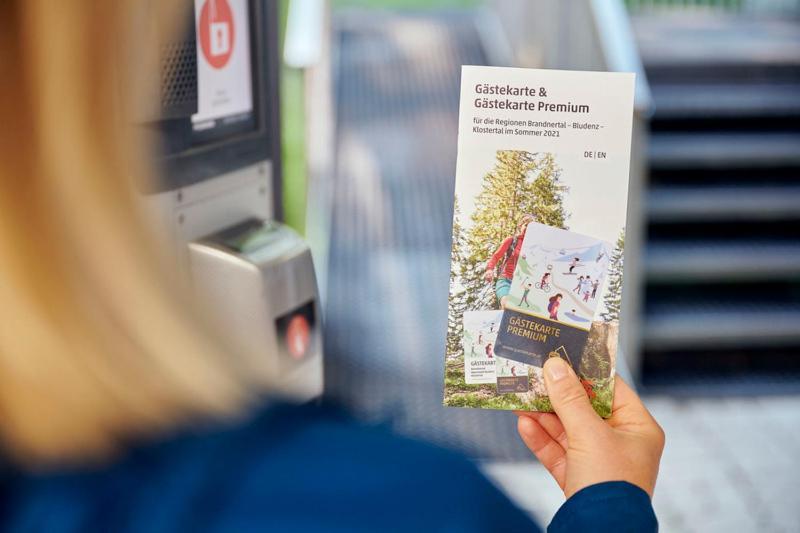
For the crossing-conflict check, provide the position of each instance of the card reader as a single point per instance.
(259, 279)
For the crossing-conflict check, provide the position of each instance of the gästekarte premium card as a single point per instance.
(538, 233)
(553, 295)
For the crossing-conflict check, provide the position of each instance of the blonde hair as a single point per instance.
(96, 344)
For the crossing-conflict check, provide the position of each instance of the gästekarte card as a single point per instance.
(538, 234)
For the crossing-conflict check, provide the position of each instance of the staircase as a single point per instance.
(722, 300)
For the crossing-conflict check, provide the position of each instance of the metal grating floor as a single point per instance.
(397, 86)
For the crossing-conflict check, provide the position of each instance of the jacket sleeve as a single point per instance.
(611, 506)
(498, 254)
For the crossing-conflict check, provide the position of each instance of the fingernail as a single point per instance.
(556, 368)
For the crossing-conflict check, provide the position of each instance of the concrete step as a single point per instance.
(681, 204)
(735, 71)
(695, 47)
(676, 381)
(697, 326)
(698, 262)
(674, 151)
(682, 101)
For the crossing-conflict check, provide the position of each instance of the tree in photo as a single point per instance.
(548, 194)
(458, 296)
(520, 183)
(613, 298)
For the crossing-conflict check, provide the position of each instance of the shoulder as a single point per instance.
(323, 470)
(284, 468)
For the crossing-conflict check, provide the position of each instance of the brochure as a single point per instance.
(538, 234)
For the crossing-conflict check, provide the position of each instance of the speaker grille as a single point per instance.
(178, 79)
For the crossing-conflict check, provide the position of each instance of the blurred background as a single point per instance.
(369, 103)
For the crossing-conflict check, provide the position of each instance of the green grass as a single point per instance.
(458, 393)
(604, 389)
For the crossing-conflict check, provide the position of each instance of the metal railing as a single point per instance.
(574, 34)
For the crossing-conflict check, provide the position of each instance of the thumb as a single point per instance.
(568, 397)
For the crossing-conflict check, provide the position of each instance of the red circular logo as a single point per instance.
(216, 32)
(298, 336)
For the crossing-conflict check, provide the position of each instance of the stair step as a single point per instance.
(669, 151)
(722, 261)
(697, 327)
(717, 203)
(698, 47)
(722, 264)
(709, 384)
(698, 101)
(744, 71)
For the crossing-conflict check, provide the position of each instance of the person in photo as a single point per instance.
(506, 257)
(489, 351)
(587, 288)
(525, 292)
(594, 288)
(573, 264)
(552, 307)
(544, 284)
(579, 285)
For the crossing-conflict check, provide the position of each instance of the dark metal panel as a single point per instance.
(185, 162)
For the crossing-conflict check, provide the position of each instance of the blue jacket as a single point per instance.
(294, 469)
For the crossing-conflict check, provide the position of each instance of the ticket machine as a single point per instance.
(218, 201)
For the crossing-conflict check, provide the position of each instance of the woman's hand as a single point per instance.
(579, 448)
(489, 276)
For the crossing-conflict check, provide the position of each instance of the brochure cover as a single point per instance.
(538, 234)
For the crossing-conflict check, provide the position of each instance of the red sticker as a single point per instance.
(216, 32)
(298, 336)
